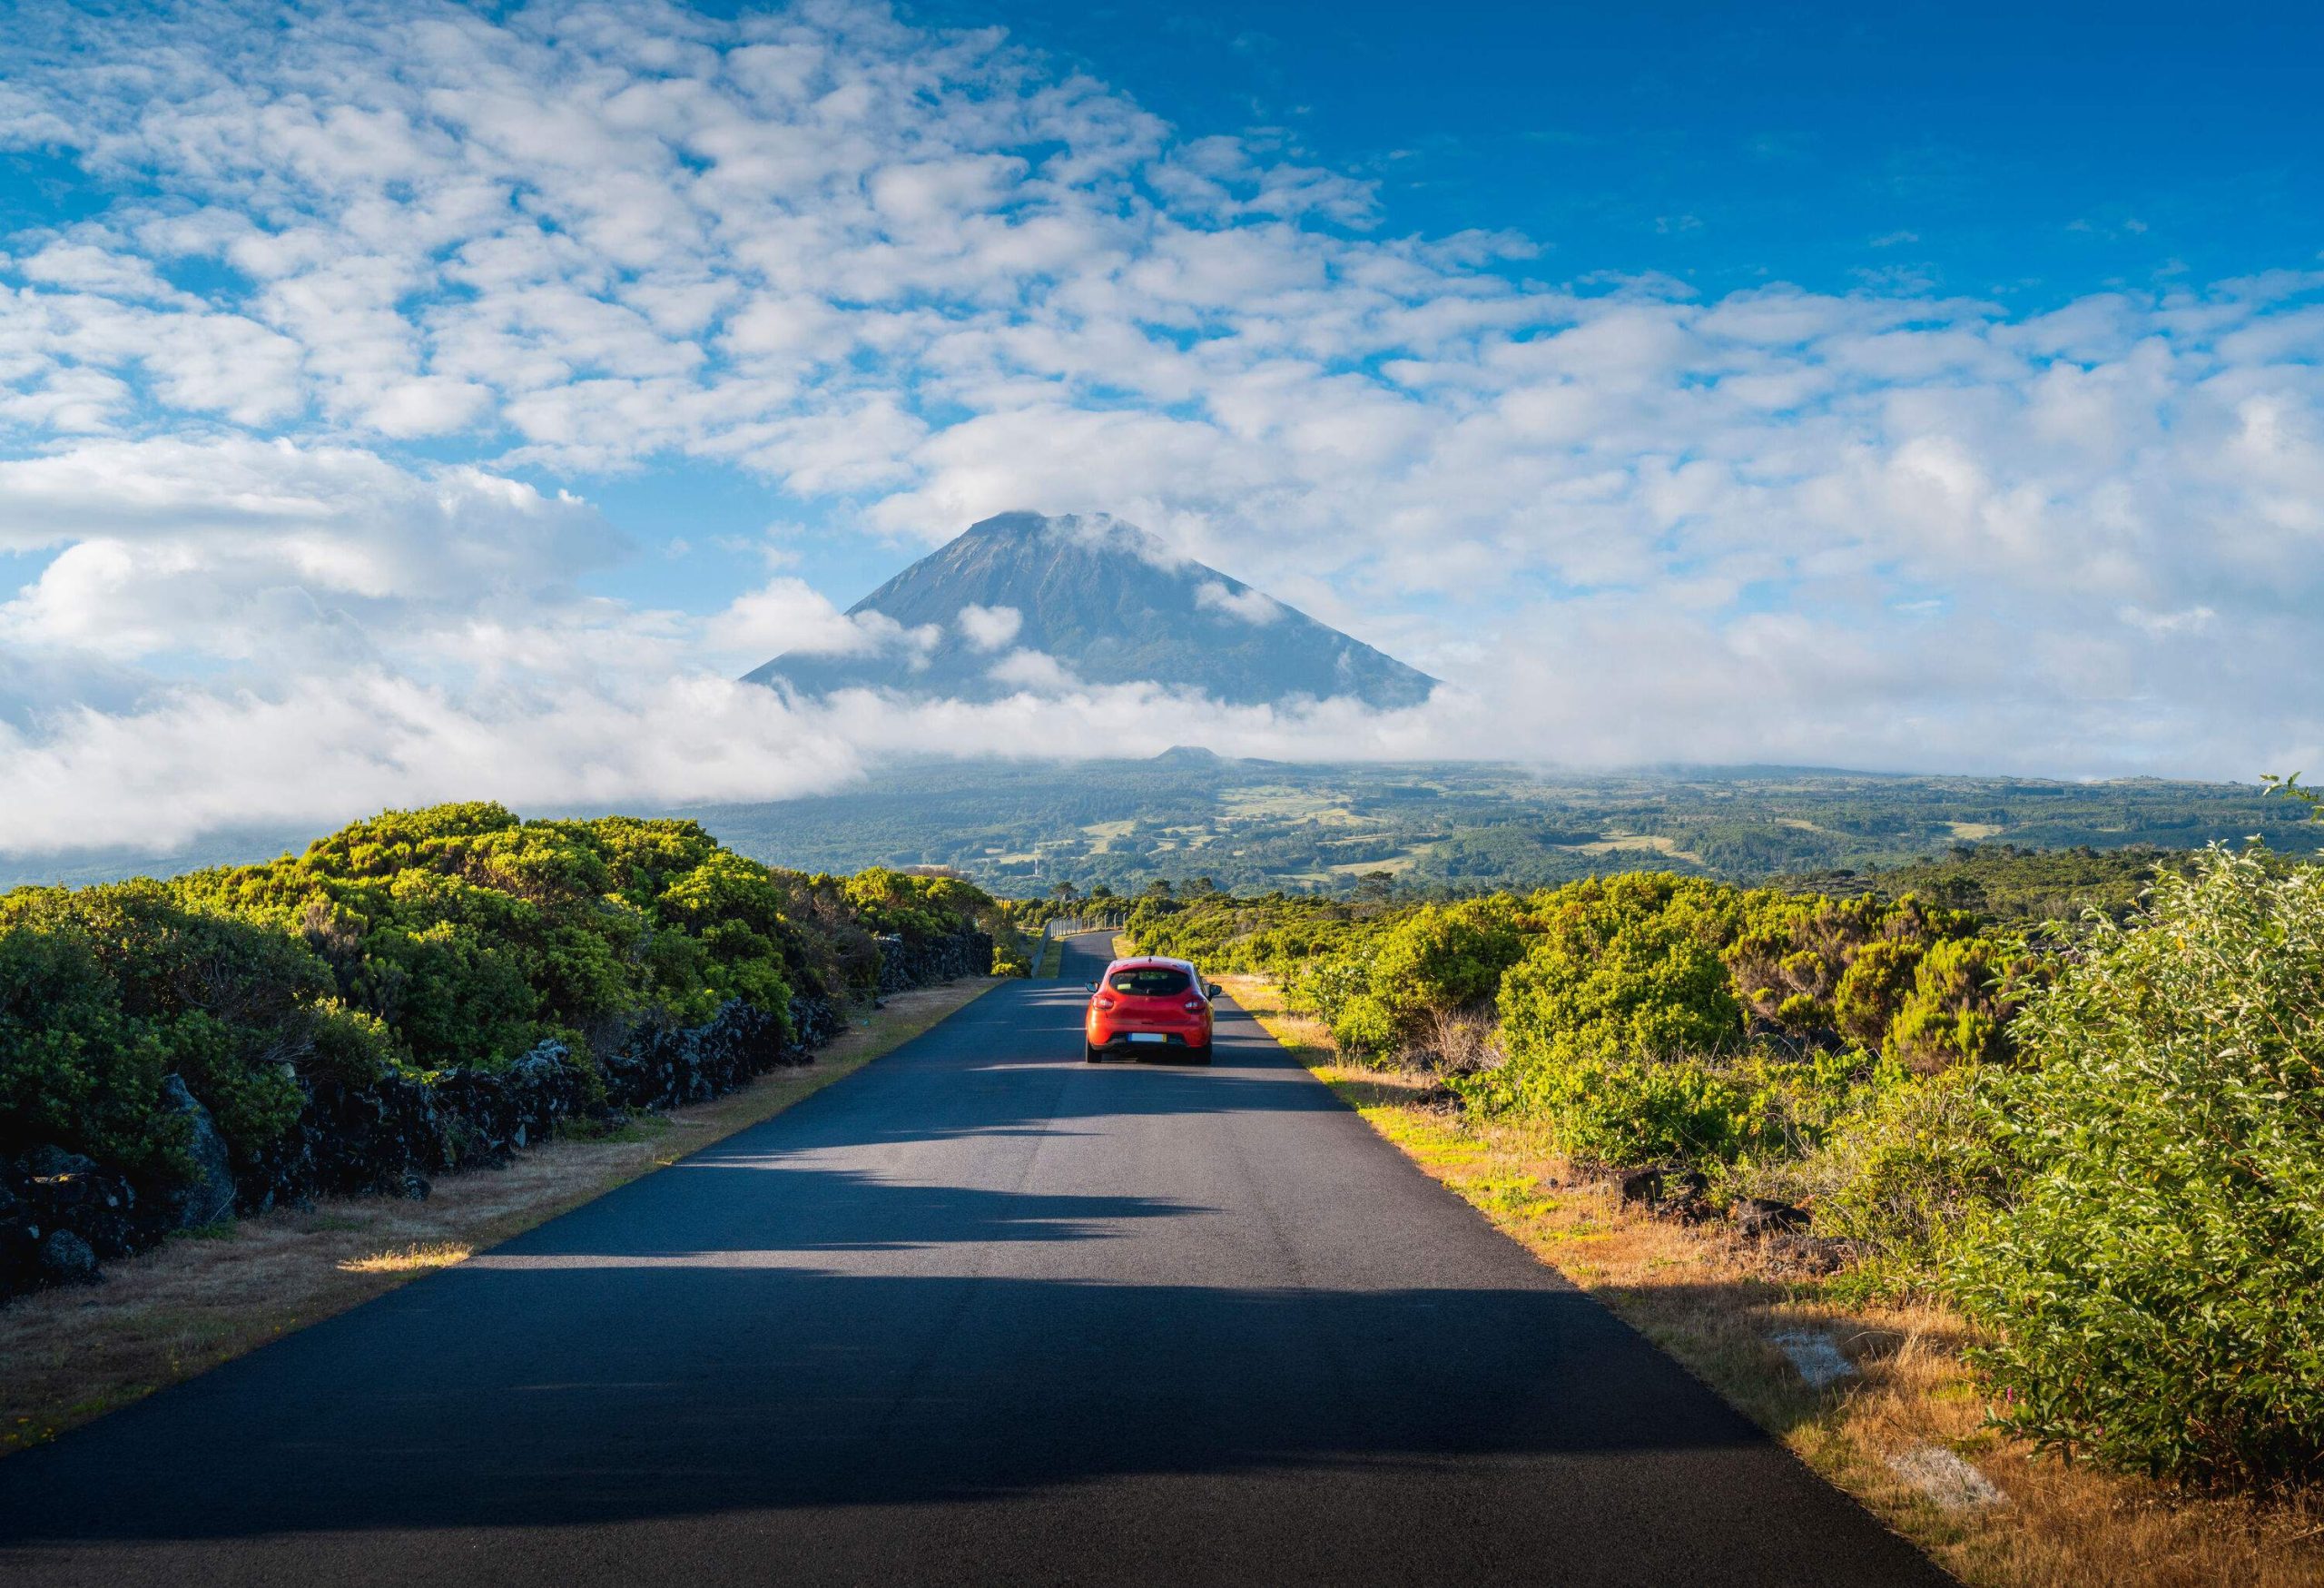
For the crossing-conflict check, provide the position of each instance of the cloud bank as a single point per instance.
(298, 424)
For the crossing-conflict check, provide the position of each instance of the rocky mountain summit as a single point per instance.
(1024, 601)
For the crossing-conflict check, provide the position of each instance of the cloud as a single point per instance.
(1033, 670)
(989, 628)
(362, 307)
(784, 614)
(1248, 606)
(236, 547)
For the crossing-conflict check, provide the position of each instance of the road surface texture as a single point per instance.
(982, 1313)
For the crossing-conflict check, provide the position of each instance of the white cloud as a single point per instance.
(989, 628)
(284, 425)
(784, 614)
(1034, 670)
(1248, 606)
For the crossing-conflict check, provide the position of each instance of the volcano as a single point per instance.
(1024, 601)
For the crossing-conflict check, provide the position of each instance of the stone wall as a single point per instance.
(62, 1216)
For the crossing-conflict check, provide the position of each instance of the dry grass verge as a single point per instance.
(68, 1355)
(1898, 1421)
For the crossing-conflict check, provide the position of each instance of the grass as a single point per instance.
(1639, 842)
(67, 1356)
(1905, 1413)
(413, 1258)
(1051, 959)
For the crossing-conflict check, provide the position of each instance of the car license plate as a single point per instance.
(1148, 1037)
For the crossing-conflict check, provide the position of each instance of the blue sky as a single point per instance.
(409, 401)
(2028, 152)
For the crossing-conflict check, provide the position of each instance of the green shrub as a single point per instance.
(1621, 968)
(1888, 975)
(2153, 1291)
(75, 1068)
(1903, 1170)
(1963, 994)
(456, 937)
(1682, 1110)
(104, 991)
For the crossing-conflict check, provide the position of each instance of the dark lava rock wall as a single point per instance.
(62, 1216)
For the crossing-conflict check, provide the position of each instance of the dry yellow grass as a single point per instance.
(68, 1355)
(412, 1258)
(1716, 1301)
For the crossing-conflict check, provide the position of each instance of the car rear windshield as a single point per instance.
(1149, 981)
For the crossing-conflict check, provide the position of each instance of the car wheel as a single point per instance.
(1092, 1052)
(1198, 1056)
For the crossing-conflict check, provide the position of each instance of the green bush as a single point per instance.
(1620, 969)
(1964, 991)
(2153, 1290)
(1433, 960)
(1904, 1169)
(1679, 1109)
(104, 991)
(1897, 976)
(456, 937)
(75, 1068)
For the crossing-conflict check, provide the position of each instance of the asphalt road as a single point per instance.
(982, 1313)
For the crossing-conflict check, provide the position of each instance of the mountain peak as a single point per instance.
(1018, 521)
(1029, 602)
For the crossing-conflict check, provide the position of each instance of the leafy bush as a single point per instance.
(1436, 961)
(1923, 984)
(1620, 969)
(419, 942)
(75, 1068)
(1645, 1110)
(2153, 1289)
(104, 991)
(1905, 1169)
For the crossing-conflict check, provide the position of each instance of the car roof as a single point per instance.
(1135, 961)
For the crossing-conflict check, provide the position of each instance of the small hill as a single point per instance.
(1028, 602)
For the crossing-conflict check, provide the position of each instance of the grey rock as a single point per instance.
(209, 1195)
(66, 1259)
(1763, 1216)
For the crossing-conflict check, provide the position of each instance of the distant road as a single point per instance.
(982, 1313)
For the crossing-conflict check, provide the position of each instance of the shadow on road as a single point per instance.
(532, 1397)
(881, 1303)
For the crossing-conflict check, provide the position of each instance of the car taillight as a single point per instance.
(1194, 1006)
(1105, 1002)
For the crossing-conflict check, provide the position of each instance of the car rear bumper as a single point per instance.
(1129, 1042)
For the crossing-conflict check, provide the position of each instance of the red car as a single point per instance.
(1149, 1004)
